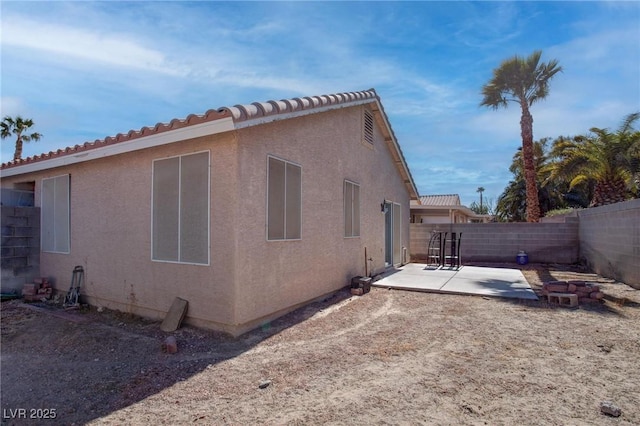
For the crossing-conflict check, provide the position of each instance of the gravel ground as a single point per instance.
(389, 357)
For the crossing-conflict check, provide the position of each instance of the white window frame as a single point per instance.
(208, 214)
(351, 204)
(286, 162)
(44, 210)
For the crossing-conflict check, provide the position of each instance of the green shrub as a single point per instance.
(557, 212)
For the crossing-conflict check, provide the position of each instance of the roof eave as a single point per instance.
(193, 131)
(219, 121)
(464, 209)
(394, 146)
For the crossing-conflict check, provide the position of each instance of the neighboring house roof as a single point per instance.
(217, 121)
(440, 200)
(444, 203)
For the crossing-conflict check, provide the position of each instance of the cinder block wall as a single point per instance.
(501, 242)
(20, 247)
(610, 240)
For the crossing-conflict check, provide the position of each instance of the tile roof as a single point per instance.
(220, 120)
(440, 200)
(239, 113)
(269, 108)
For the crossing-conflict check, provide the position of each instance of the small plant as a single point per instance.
(557, 212)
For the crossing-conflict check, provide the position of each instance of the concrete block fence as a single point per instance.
(20, 247)
(606, 238)
(610, 240)
(501, 242)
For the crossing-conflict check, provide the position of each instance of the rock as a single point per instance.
(170, 345)
(357, 291)
(264, 384)
(608, 408)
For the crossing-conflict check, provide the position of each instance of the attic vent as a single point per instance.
(368, 127)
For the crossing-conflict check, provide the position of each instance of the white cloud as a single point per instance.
(11, 106)
(85, 45)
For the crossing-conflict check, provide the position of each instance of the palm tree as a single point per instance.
(552, 193)
(523, 81)
(577, 193)
(18, 126)
(630, 141)
(603, 160)
(511, 206)
(480, 190)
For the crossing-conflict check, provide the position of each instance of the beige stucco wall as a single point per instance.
(250, 280)
(274, 275)
(111, 235)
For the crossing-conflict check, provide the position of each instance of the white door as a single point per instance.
(392, 234)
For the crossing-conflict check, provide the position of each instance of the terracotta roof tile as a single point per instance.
(239, 113)
(265, 109)
(174, 124)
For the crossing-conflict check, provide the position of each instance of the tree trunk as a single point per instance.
(609, 190)
(18, 153)
(530, 176)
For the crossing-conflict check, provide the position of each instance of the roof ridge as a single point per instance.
(263, 109)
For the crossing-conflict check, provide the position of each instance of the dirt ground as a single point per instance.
(389, 357)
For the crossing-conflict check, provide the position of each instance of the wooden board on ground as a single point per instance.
(175, 315)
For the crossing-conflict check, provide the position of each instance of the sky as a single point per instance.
(87, 70)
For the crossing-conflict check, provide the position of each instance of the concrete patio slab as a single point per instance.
(496, 282)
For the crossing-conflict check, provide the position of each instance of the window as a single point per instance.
(351, 209)
(180, 209)
(284, 200)
(55, 215)
(367, 127)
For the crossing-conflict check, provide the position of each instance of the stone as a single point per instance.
(571, 288)
(608, 408)
(264, 384)
(170, 345)
(357, 291)
(605, 348)
(175, 315)
(596, 295)
(30, 288)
